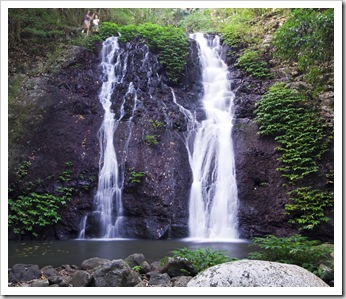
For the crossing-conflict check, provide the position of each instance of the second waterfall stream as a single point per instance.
(214, 196)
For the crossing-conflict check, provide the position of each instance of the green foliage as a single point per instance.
(30, 211)
(137, 268)
(308, 39)
(108, 29)
(23, 169)
(310, 205)
(200, 259)
(303, 141)
(34, 210)
(198, 21)
(237, 31)
(297, 250)
(151, 139)
(136, 177)
(14, 89)
(252, 64)
(169, 42)
(298, 129)
(156, 124)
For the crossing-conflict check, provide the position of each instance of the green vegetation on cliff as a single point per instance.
(170, 43)
(33, 210)
(302, 136)
(302, 132)
(307, 38)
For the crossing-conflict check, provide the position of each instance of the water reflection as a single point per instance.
(73, 252)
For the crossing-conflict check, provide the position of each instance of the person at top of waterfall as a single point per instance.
(96, 21)
(87, 20)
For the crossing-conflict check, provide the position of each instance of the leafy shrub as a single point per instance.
(136, 177)
(23, 169)
(297, 250)
(156, 124)
(198, 21)
(172, 46)
(169, 42)
(27, 213)
(253, 65)
(307, 38)
(313, 203)
(302, 137)
(30, 211)
(108, 29)
(298, 129)
(200, 259)
(238, 32)
(151, 139)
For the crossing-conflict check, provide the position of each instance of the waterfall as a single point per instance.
(213, 198)
(108, 199)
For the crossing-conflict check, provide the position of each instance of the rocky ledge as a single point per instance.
(135, 271)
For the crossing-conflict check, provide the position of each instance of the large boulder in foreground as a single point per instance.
(23, 272)
(115, 273)
(254, 273)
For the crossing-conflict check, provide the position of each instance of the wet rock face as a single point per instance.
(58, 117)
(149, 139)
(54, 120)
(260, 192)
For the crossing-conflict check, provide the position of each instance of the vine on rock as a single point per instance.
(302, 136)
(33, 210)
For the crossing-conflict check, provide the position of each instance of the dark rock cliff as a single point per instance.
(260, 187)
(157, 206)
(55, 120)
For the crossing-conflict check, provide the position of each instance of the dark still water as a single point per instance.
(73, 252)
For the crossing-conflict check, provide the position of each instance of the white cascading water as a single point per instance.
(107, 201)
(214, 196)
(108, 191)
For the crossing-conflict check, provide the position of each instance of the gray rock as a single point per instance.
(254, 273)
(93, 262)
(81, 279)
(40, 283)
(51, 274)
(159, 280)
(177, 267)
(138, 259)
(181, 281)
(115, 273)
(156, 266)
(55, 279)
(65, 276)
(23, 272)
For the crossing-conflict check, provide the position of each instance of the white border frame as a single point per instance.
(336, 290)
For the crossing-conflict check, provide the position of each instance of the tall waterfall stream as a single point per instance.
(213, 197)
(107, 201)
